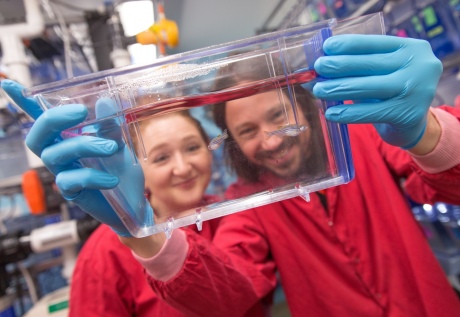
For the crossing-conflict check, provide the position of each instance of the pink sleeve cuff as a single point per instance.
(446, 154)
(169, 261)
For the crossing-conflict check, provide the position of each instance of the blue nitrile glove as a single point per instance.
(393, 81)
(80, 185)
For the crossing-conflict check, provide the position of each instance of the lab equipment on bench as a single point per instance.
(28, 245)
(119, 100)
(17, 246)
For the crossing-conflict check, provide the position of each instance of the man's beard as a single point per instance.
(286, 145)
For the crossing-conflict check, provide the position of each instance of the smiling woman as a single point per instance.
(177, 168)
(177, 171)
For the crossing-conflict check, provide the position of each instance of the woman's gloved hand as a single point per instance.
(61, 157)
(392, 81)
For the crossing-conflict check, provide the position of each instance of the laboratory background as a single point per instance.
(43, 41)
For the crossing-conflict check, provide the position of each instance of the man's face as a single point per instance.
(249, 118)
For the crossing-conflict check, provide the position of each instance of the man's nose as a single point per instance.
(182, 165)
(269, 143)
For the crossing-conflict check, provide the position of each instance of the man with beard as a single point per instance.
(263, 162)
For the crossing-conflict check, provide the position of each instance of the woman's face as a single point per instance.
(249, 118)
(178, 166)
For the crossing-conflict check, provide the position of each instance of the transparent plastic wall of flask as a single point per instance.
(211, 132)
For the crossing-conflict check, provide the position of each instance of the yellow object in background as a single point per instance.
(164, 32)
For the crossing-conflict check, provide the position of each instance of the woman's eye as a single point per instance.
(160, 158)
(278, 116)
(193, 147)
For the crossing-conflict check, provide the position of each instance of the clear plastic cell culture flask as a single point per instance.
(211, 132)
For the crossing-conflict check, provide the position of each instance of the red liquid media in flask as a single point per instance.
(237, 92)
